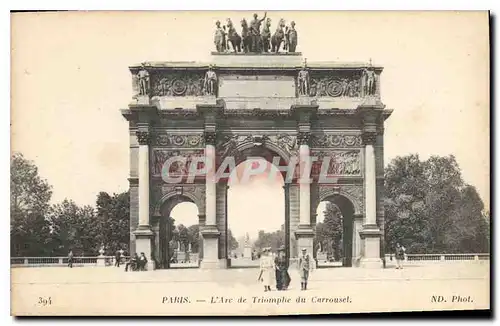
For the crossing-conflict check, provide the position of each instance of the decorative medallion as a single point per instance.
(179, 87)
(334, 89)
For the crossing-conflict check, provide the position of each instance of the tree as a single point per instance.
(430, 209)
(29, 203)
(74, 228)
(275, 240)
(329, 232)
(183, 236)
(194, 237)
(232, 243)
(113, 214)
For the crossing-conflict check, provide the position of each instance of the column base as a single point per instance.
(214, 264)
(371, 263)
(370, 234)
(210, 236)
(143, 244)
(305, 239)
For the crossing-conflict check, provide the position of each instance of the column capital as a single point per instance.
(369, 138)
(303, 138)
(210, 137)
(143, 137)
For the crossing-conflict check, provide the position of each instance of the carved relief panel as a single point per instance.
(173, 83)
(336, 83)
(341, 162)
(178, 167)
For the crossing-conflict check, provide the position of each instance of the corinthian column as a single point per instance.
(210, 231)
(304, 184)
(370, 234)
(143, 234)
(143, 138)
(210, 184)
(370, 179)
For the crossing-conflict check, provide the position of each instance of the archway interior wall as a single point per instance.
(163, 210)
(349, 202)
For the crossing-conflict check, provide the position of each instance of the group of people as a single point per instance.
(277, 268)
(135, 263)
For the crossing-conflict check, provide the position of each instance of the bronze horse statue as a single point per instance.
(266, 36)
(246, 38)
(278, 37)
(233, 37)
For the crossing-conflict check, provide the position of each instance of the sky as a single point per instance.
(70, 78)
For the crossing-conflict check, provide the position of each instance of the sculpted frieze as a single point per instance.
(228, 144)
(336, 140)
(336, 84)
(177, 83)
(342, 163)
(177, 140)
(160, 156)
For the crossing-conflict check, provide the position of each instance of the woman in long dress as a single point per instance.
(266, 269)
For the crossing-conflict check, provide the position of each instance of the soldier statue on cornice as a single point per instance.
(304, 81)
(210, 82)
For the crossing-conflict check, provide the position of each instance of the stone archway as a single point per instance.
(242, 153)
(347, 211)
(256, 107)
(160, 223)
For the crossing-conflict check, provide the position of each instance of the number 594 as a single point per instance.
(44, 301)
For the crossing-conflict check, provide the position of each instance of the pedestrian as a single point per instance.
(281, 264)
(305, 266)
(117, 258)
(266, 269)
(70, 259)
(142, 262)
(400, 255)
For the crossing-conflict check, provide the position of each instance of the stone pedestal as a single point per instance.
(211, 249)
(101, 261)
(305, 239)
(247, 252)
(143, 100)
(144, 238)
(371, 255)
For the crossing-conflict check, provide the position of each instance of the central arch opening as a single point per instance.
(256, 211)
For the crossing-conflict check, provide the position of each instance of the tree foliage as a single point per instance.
(29, 204)
(430, 209)
(270, 239)
(329, 232)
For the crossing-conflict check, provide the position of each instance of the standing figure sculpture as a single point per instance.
(266, 35)
(233, 37)
(291, 36)
(304, 81)
(278, 37)
(369, 81)
(219, 37)
(143, 80)
(246, 38)
(255, 32)
(210, 82)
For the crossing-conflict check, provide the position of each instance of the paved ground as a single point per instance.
(94, 290)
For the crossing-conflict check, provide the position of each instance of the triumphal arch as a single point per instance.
(246, 102)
